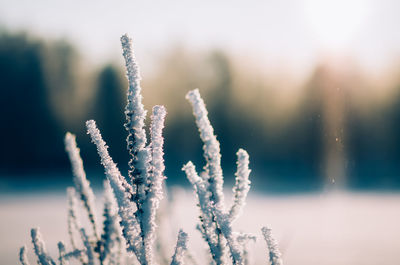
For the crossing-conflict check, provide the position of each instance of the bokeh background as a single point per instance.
(311, 89)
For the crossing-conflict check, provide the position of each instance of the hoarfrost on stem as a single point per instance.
(225, 225)
(73, 224)
(155, 180)
(40, 248)
(215, 221)
(135, 117)
(211, 147)
(242, 185)
(207, 226)
(180, 249)
(243, 239)
(61, 253)
(274, 255)
(22, 256)
(111, 238)
(82, 185)
(88, 247)
(137, 203)
(129, 223)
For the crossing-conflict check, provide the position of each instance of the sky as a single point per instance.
(292, 33)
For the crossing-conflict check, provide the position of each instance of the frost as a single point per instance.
(180, 249)
(207, 226)
(88, 247)
(82, 185)
(274, 255)
(40, 249)
(112, 241)
(135, 117)
(215, 221)
(73, 224)
(243, 240)
(226, 228)
(130, 207)
(137, 203)
(155, 181)
(22, 256)
(242, 185)
(212, 155)
(61, 253)
(129, 223)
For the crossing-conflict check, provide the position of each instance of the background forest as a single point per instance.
(338, 122)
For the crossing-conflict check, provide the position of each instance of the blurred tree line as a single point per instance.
(333, 130)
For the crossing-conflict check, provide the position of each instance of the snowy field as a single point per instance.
(324, 229)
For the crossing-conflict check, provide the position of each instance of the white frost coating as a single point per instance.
(180, 249)
(155, 181)
(75, 254)
(202, 196)
(73, 224)
(157, 154)
(61, 253)
(40, 249)
(135, 116)
(191, 174)
(88, 247)
(243, 240)
(22, 256)
(211, 145)
(129, 223)
(82, 185)
(226, 229)
(207, 226)
(73, 221)
(242, 185)
(274, 255)
(112, 239)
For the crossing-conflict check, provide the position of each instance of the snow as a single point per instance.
(329, 229)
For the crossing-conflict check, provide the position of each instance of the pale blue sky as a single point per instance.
(277, 31)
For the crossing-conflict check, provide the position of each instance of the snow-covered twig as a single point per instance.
(180, 249)
(243, 239)
(82, 185)
(22, 256)
(225, 225)
(208, 226)
(274, 255)
(155, 181)
(40, 249)
(242, 185)
(61, 253)
(135, 117)
(75, 254)
(216, 224)
(88, 247)
(129, 223)
(211, 147)
(111, 238)
(73, 224)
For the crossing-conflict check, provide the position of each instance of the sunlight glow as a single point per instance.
(335, 21)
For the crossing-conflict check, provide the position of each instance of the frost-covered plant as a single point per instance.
(137, 202)
(274, 255)
(181, 247)
(130, 206)
(215, 219)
